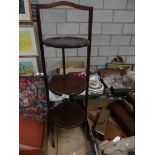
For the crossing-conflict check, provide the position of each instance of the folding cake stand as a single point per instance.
(68, 114)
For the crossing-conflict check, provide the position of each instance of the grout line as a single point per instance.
(125, 59)
(79, 28)
(56, 53)
(113, 16)
(126, 4)
(110, 40)
(107, 59)
(130, 40)
(123, 27)
(98, 51)
(56, 28)
(118, 50)
(101, 28)
(107, 22)
(116, 34)
(66, 15)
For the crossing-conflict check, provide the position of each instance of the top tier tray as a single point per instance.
(67, 84)
(66, 42)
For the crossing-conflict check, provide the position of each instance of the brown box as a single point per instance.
(112, 131)
(123, 117)
(98, 103)
(71, 66)
(127, 85)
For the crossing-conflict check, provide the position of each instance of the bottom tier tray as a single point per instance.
(68, 115)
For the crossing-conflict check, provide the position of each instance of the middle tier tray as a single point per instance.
(67, 84)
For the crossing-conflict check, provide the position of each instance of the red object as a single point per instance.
(31, 132)
(80, 74)
(23, 83)
(27, 148)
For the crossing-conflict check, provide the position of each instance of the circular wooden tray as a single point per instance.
(67, 84)
(66, 42)
(68, 114)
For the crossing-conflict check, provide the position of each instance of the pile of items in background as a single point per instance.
(112, 118)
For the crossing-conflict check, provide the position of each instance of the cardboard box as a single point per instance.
(71, 66)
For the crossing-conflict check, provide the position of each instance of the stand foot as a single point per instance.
(52, 137)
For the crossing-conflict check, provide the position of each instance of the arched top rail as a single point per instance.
(61, 3)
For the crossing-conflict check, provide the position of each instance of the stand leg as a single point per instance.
(51, 123)
(87, 129)
(88, 133)
(52, 136)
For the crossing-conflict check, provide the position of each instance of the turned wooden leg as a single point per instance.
(52, 136)
(51, 128)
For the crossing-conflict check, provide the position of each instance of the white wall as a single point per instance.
(113, 30)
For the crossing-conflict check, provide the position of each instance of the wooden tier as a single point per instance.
(66, 42)
(68, 114)
(67, 84)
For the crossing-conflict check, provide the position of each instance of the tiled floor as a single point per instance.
(70, 142)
